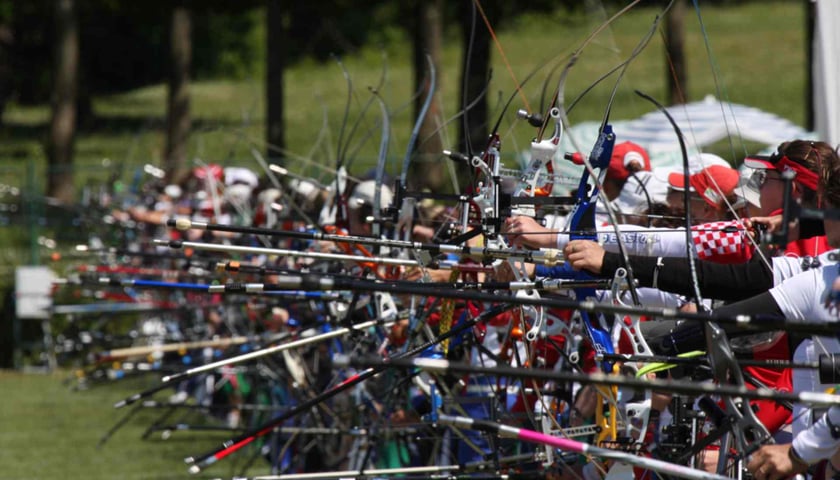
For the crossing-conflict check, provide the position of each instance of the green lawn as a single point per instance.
(48, 431)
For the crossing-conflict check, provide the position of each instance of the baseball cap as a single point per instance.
(305, 188)
(623, 154)
(211, 170)
(643, 186)
(713, 183)
(699, 161)
(239, 175)
(365, 193)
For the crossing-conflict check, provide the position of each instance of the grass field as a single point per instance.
(48, 431)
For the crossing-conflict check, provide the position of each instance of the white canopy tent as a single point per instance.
(826, 71)
(702, 123)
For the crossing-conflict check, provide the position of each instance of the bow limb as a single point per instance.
(344, 146)
(747, 431)
(589, 167)
(407, 205)
(376, 228)
(689, 250)
(340, 153)
(405, 221)
(421, 116)
(558, 100)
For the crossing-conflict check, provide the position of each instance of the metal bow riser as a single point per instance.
(582, 227)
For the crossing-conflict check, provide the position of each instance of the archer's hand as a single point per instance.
(772, 462)
(417, 274)
(503, 271)
(773, 223)
(527, 232)
(585, 255)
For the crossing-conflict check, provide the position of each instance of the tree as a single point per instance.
(276, 61)
(6, 69)
(676, 75)
(60, 143)
(178, 101)
(428, 39)
(475, 74)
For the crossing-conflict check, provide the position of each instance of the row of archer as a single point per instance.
(507, 328)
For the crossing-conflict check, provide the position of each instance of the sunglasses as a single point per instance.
(759, 178)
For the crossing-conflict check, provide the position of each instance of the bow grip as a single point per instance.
(602, 151)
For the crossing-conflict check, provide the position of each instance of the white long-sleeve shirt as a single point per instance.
(724, 241)
(817, 443)
(802, 297)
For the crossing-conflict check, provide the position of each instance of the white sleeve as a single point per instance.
(817, 442)
(788, 266)
(801, 296)
(795, 296)
(638, 240)
(785, 267)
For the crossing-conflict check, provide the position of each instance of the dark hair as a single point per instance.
(829, 171)
(818, 157)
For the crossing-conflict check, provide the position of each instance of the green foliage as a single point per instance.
(124, 45)
(228, 114)
(226, 45)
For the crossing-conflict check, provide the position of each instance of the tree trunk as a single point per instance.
(65, 87)
(178, 102)
(676, 76)
(475, 73)
(426, 170)
(7, 40)
(276, 61)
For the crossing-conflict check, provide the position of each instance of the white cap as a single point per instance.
(172, 191)
(700, 161)
(364, 194)
(634, 195)
(238, 194)
(305, 189)
(241, 175)
(269, 195)
(696, 163)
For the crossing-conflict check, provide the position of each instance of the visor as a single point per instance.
(759, 162)
(676, 180)
(804, 175)
(749, 189)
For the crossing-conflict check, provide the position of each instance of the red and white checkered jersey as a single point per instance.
(722, 242)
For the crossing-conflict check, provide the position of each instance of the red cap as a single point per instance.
(712, 183)
(215, 170)
(623, 154)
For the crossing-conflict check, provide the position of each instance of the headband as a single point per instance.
(803, 175)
